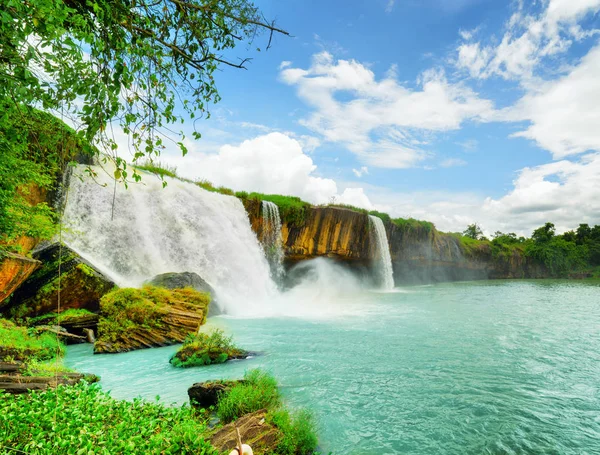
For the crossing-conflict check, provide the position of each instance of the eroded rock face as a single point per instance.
(81, 285)
(326, 231)
(14, 270)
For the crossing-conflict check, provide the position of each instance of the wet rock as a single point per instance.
(206, 394)
(81, 285)
(182, 280)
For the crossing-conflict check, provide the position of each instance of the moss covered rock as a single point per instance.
(81, 285)
(205, 349)
(149, 317)
(14, 270)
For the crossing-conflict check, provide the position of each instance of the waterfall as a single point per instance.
(271, 239)
(382, 249)
(180, 228)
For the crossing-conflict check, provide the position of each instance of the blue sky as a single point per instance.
(454, 111)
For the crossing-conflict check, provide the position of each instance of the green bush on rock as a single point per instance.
(206, 349)
(17, 343)
(90, 421)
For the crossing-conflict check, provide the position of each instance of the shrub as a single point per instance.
(298, 432)
(259, 391)
(412, 224)
(90, 421)
(205, 349)
(17, 343)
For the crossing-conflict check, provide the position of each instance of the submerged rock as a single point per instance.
(206, 394)
(81, 285)
(149, 317)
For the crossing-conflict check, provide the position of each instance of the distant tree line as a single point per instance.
(574, 250)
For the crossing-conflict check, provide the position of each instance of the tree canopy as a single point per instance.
(142, 65)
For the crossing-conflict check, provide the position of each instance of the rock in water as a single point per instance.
(81, 285)
(173, 280)
(254, 431)
(149, 317)
(206, 394)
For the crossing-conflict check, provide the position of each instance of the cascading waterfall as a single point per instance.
(180, 228)
(272, 240)
(384, 262)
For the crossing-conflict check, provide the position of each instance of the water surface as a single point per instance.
(502, 367)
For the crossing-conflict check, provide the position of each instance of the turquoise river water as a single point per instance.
(502, 367)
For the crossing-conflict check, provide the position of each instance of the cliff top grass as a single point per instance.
(206, 349)
(158, 168)
(103, 425)
(18, 343)
(129, 308)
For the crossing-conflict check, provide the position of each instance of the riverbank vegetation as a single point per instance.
(206, 349)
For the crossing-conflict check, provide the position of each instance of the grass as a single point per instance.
(17, 343)
(156, 167)
(292, 209)
(259, 391)
(412, 224)
(89, 421)
(129, 308)
(206, 349)
(208, 186)
(49, 368)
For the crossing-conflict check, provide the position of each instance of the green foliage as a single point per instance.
(473, 231)
(128, 308)
(34, 148)
(298, 432)
(208, 186)
(156, 167)
(19, 343)
(292, 209)
(50, 368)
(259, 391)
(205, 349)
(349, 207)
(412, 224)
(557, 254)
(384, 216)
(145, 66)
(90, 421)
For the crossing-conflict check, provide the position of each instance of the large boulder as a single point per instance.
(14, 270)
(181, 280)
(149, 317)
(81, 285)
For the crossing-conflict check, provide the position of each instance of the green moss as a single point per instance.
(19, 343)
(129, 308)
(206, 349)
(86, 269)
(90, 421)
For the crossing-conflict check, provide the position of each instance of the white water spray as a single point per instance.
(382, 249)
(181, 228)
(272, 240)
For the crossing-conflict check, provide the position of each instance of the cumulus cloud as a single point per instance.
(379, 120)
(528, 39)
(271, 163)
(564, 113)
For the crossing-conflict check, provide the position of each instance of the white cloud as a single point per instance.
(528, 40)
(378, 119)
(453, 162)
(272, 163)
(364, 170)
(564, 113)
(389, 6)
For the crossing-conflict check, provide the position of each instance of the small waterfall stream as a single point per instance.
(180, 228)
(384, 260)
(272, 240)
